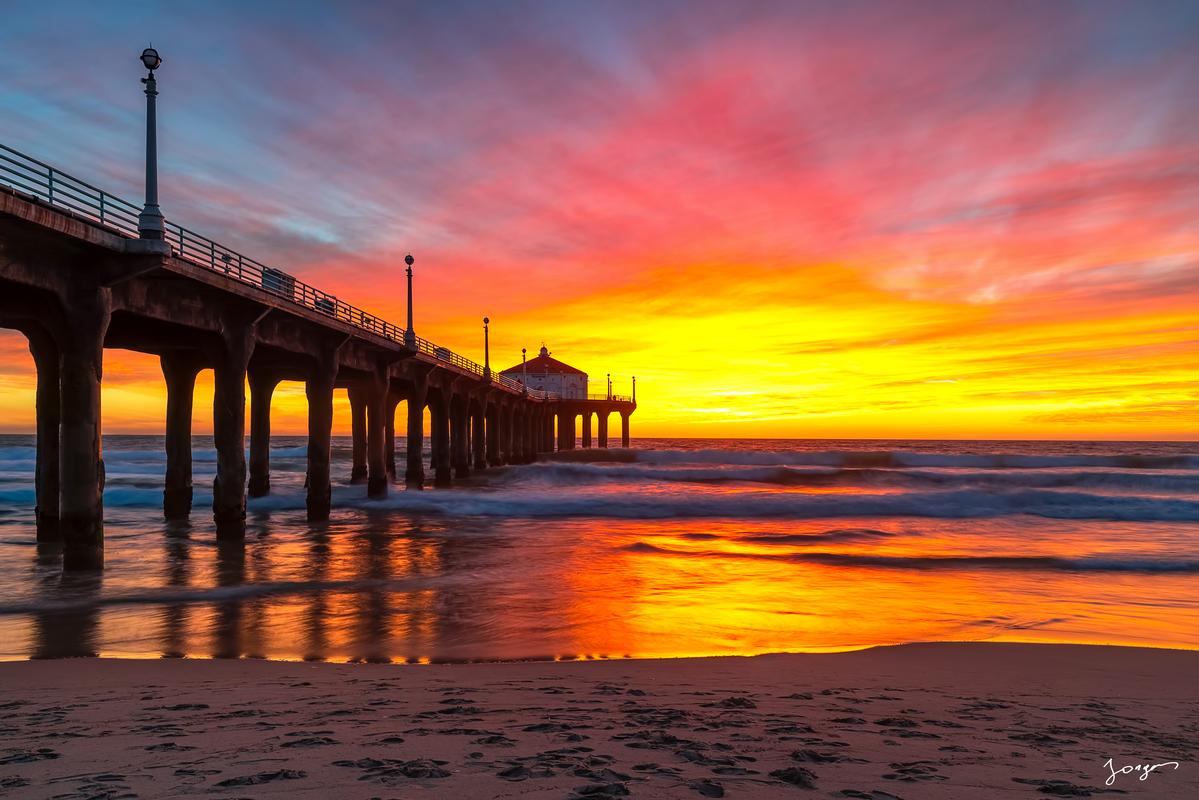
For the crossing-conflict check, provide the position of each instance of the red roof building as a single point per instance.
(550, 375)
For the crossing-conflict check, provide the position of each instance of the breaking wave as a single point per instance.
(816, 476)
(778, 505)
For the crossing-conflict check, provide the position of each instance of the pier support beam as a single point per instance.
(439, 412)
(376, 465)
(357, 434)
(231, 362)
(460, 436)
(603, 428)
(262, 388)
(492, 416)
(414, 474)
(506, 452)
(518, 439)
(624, 429)
(81, 464)
(179, 370)
(389, 433)
(319, 389)
(566, 430)
(479, 435)
(527, 447)
(45, 358)
(586, 429)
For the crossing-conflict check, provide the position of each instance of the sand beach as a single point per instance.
(975, 720)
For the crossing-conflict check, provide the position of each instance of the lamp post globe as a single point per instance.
(149, 222)
(151, 58)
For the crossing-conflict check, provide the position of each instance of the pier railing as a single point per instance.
(619, 398)
(39, 181)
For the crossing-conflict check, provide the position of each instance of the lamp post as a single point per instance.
(486, 351)
(409, 334)
(609, 385)
(634, 388)
(149, 222)
(524, 372)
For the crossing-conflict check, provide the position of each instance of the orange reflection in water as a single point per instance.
(744, 588)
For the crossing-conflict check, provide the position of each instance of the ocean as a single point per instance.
(677, 547)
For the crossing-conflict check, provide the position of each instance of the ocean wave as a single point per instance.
(766, 504)
(957, 562)
(574, 473)
(905, 458)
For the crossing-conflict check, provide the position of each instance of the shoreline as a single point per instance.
(575, 659)
(930, 720)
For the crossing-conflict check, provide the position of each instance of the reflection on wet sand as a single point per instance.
(227, 623)
(67, 624)
(316, 640)
(175, 616)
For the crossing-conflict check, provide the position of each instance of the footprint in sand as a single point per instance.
(796, 776)
(914, 771)
(602, 790)
(264, 777)
(389, 770)
(708, 788)
(28, 756)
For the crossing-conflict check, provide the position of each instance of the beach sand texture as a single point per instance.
(913, 721)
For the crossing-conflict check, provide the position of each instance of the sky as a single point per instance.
(792, 219)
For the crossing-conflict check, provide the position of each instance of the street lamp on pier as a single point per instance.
(486, 351)
(609, 385)
(409, 334)
(634, 388)
(149, 222)
(524, 371)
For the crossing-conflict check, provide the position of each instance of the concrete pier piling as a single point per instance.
(319, 390)
(460, 434)
(357, 433)
(389, 434)
(439, 414)
(262, 389)
(376, 410)
(478, 431)
(45, 358)
(179, 371)
(231, 364)
(88, 312)
(414, 471)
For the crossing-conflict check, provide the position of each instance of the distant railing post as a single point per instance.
(50, 185)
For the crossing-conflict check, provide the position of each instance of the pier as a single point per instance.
(82, 271)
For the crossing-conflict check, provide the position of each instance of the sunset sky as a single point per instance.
(786, 219)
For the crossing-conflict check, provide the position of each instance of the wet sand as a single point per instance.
(913, 721)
